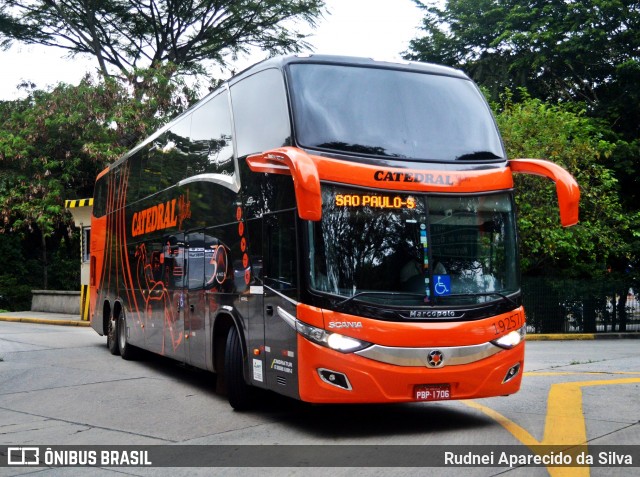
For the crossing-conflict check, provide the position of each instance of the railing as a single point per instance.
(579, 306)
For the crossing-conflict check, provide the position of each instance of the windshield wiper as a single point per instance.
(364, 293)
(480, 155)
(466, 295)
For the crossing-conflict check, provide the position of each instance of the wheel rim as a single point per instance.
(122, 332)
(111, 332)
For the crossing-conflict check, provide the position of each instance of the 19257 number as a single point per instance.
(511, 322)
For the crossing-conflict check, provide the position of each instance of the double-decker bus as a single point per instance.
(336, 230)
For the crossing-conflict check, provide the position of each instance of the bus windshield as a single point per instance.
(414, 250)
(391, 113)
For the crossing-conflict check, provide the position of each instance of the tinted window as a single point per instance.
(391, 113)
(281, 264)
(134, 164)
(260, 113)
(410, 249)
(175, 148)
(211, 138)
(266, 193)
(100, 197)
(150, 168)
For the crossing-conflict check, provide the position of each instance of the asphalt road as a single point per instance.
(60, 386)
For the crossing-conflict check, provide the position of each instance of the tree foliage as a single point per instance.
(127, 35)
(586, 51)
(581, 63)
(604, 237)
(53, 145)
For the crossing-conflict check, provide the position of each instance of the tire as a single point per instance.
(126, 350)
(240, 394)
(112, 336)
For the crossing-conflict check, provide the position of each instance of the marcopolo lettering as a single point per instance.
(420, 177)
(157, 217)
(433, 314)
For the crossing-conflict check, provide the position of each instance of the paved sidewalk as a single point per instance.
(43, 318)
(74, 320)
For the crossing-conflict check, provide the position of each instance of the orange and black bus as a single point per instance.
(334, 229)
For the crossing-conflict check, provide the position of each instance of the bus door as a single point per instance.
(280, 293)
(200, 253)
(248, 283)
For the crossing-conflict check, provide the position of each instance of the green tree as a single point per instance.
(53, 145)
(605, 233)
(125, 36)
(585, 51)
(602, 248)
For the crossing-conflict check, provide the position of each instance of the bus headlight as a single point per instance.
(512, 339)
(335, 341)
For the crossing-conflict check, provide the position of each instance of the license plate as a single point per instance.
(431, 392)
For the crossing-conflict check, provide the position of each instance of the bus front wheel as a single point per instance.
(239, 393)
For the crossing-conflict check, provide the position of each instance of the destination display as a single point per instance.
(377, 201)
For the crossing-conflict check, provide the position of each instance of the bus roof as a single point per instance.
(280, 62)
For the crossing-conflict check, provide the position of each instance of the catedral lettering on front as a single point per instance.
(333, 229)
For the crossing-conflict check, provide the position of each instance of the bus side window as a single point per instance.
(211, 138)
(150, 169)
(100, 197)
(261, 113)
(155, 166)
(253, 229)
(280, 255)
(135, 184)
(175, 149)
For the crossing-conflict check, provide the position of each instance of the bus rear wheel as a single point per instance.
(112, 336)
(127, 351)
(239, 393)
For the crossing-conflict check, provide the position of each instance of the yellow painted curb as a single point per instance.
(561, 336)
(41, 321)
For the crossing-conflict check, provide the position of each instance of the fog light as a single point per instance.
(512, 373)
(334, 378)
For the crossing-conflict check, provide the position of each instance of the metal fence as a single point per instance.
(579, 306)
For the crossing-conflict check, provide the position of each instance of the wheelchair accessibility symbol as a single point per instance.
(442, 285)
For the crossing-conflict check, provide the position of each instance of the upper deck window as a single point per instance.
(261, 114)
(392, 113)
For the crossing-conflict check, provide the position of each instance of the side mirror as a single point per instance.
(306, 181)
(566, 186)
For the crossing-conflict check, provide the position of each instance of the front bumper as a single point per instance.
(374, 381)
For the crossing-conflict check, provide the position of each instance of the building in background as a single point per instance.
(81, 210)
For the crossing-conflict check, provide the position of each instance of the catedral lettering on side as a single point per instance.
(157, 217)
